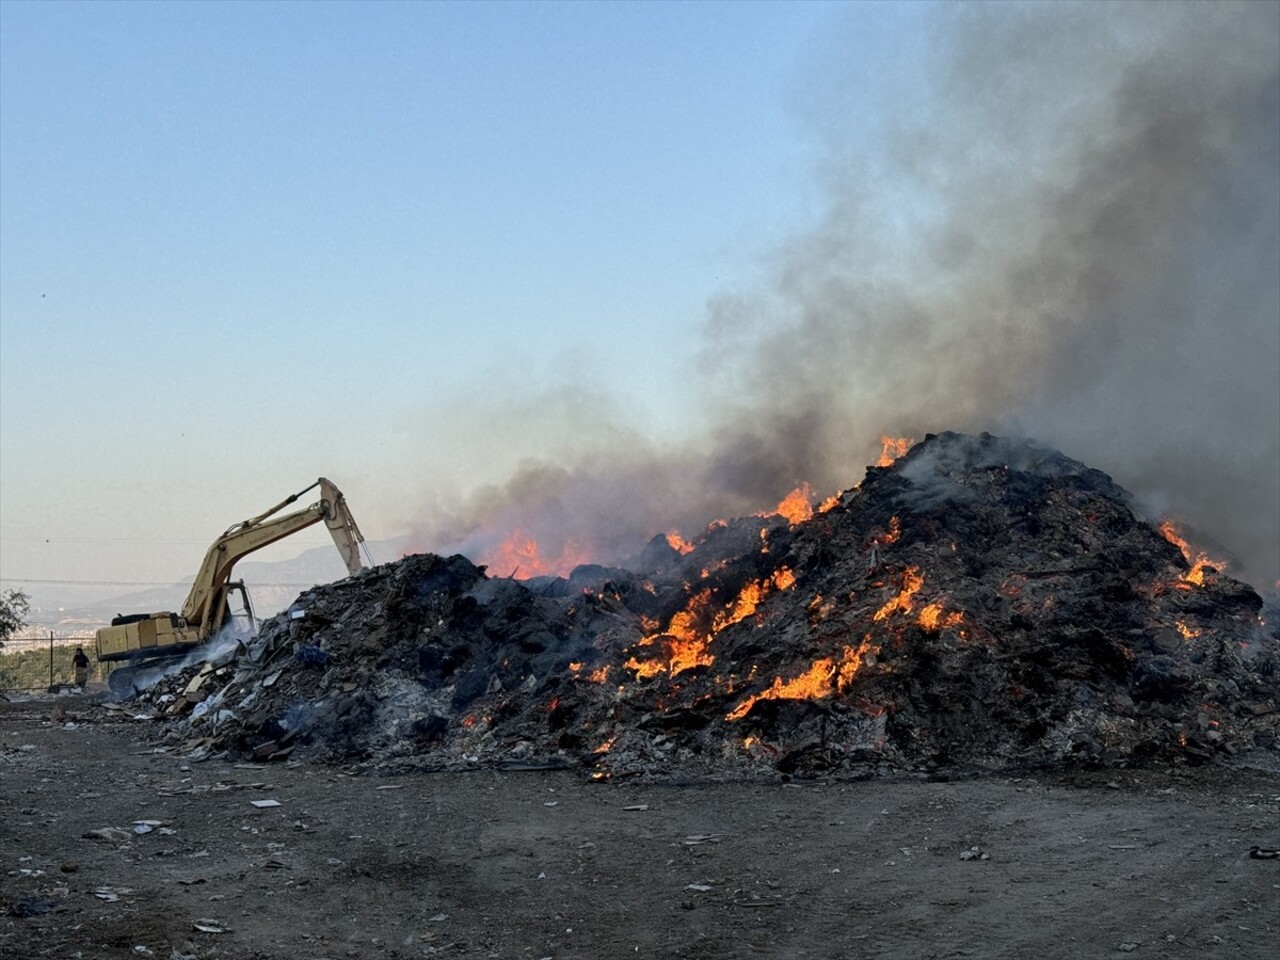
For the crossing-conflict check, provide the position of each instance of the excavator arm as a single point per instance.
(206, 603)
(203, 612)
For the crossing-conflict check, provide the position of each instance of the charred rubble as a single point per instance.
(981, 602)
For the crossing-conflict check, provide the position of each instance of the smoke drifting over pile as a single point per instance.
(1068, 228)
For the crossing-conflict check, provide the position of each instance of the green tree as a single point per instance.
(13, 613)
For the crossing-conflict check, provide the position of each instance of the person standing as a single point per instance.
(81, 664)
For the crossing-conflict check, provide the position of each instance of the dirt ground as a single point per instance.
(532, 865)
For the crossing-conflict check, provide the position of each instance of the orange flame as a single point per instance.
(783, 578)
(520, 553)
(912, 581)
(683, 644)
(931, 618)
(825, 677)
(829, 504)
(686, 645)
(1198, 562)
(893, 448)
(678, 543)
(599, 675)
(1188, 633)
(796, 505)
(743, 606)
(895, 531)
(751, 596)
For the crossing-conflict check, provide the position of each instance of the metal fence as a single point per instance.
(46, 664)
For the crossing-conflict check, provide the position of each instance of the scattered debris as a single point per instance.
(34, 905)
(109, 835)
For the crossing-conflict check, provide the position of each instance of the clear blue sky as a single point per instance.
(244, 244)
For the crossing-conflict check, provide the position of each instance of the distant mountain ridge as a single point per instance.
(272, 587)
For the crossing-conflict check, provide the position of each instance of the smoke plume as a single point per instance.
(1066, 227)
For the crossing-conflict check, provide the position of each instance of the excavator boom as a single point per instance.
(204, 611)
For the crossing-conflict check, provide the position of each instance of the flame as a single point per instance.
(751, 596)
(830, 503)
(893, 448)
(678, 543)
(743, 606)
(519, 553)
(932, 618)
(796, 505)
(1188, 633)
(686, 645)
(820, 608)
(912, 581)
(1198, 563)
(599, 675)
(825, 677)
(895, 531)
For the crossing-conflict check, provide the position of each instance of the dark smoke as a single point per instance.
(1068, 227)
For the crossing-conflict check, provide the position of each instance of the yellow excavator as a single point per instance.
(142, 638)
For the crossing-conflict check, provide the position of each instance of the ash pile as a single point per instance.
(981, 602)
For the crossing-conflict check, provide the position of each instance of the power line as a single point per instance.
(92, 583)
(131, 583)
(54, 541)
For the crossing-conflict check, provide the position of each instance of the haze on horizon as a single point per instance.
(612, 269)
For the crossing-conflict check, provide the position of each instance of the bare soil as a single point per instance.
(538, 864)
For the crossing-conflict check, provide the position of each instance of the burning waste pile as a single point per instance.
(977, 602)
